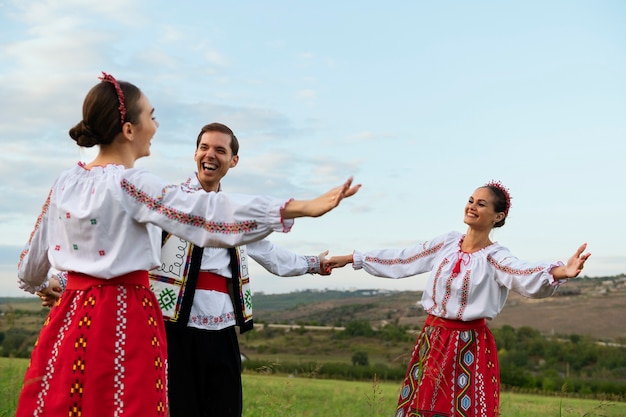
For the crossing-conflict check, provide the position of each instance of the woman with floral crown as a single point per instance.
(453, 370)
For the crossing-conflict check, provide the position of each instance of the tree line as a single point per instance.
(529, 362)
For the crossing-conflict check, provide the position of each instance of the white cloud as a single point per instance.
(215, 58)
(171, 34)
(306, 94)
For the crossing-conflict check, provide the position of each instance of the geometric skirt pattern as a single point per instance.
(101, 352)
(453, 372)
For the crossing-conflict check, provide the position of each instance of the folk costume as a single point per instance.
(453, 371)
(211, 287)
(102, 350)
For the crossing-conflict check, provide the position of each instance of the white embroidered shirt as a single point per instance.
(213, 310)
(478, 290)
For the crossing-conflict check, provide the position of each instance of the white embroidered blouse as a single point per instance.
(101, 222)
(478, 290)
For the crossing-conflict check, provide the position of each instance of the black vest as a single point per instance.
(234, 289)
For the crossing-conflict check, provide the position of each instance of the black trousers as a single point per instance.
(204, 372)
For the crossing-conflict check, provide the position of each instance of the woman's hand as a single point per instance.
(320, 205)
(51, 293)
(340, 261)
(574, 265)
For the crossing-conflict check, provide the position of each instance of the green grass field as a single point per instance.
(276, 396)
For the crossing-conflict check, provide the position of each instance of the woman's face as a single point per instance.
(144, 129)
(480, 210)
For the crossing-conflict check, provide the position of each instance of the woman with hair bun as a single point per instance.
(102, 350)
(453, 370)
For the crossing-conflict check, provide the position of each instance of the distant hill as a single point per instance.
(595, 307)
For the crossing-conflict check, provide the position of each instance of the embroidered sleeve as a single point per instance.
(62, 277)
(33, 264)
(526, 278)
(313, 264)
(399, 263)
(205, 219)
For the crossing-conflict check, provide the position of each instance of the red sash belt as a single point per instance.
(210, 281)
(455, 324)
(79, 281)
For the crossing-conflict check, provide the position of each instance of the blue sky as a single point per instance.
(420, 101)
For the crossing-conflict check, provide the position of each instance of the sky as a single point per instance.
(420, 101)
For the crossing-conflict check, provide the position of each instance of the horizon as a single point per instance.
(25, 295)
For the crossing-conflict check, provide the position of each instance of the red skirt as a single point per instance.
(101, 352)
(453, 372)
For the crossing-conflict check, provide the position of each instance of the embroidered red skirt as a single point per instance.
(101, 352)
(453, 372)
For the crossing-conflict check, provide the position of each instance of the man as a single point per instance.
(203, 350)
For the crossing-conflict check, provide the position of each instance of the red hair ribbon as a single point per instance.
(120, 94)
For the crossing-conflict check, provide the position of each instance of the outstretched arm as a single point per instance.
(340, 261)
(285, 263)
(320, 205)
(574, 265)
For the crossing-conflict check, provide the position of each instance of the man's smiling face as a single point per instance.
(214, 157)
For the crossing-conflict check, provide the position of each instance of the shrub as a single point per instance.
(360, 358)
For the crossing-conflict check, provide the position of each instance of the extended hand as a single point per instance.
(576, 263)
(339, 261)
(322, 204)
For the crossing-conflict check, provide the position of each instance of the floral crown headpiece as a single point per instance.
(120, 94)
(505, 191)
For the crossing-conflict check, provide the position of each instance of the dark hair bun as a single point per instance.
(83, 135)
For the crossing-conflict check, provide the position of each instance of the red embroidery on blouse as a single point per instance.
(435, 280)
(286, 228)
(44, 210)
(464, 257)
(464, 294)
(448, 291)
(186, 218)
(513, 271)
(446, 297)
(396, 261)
